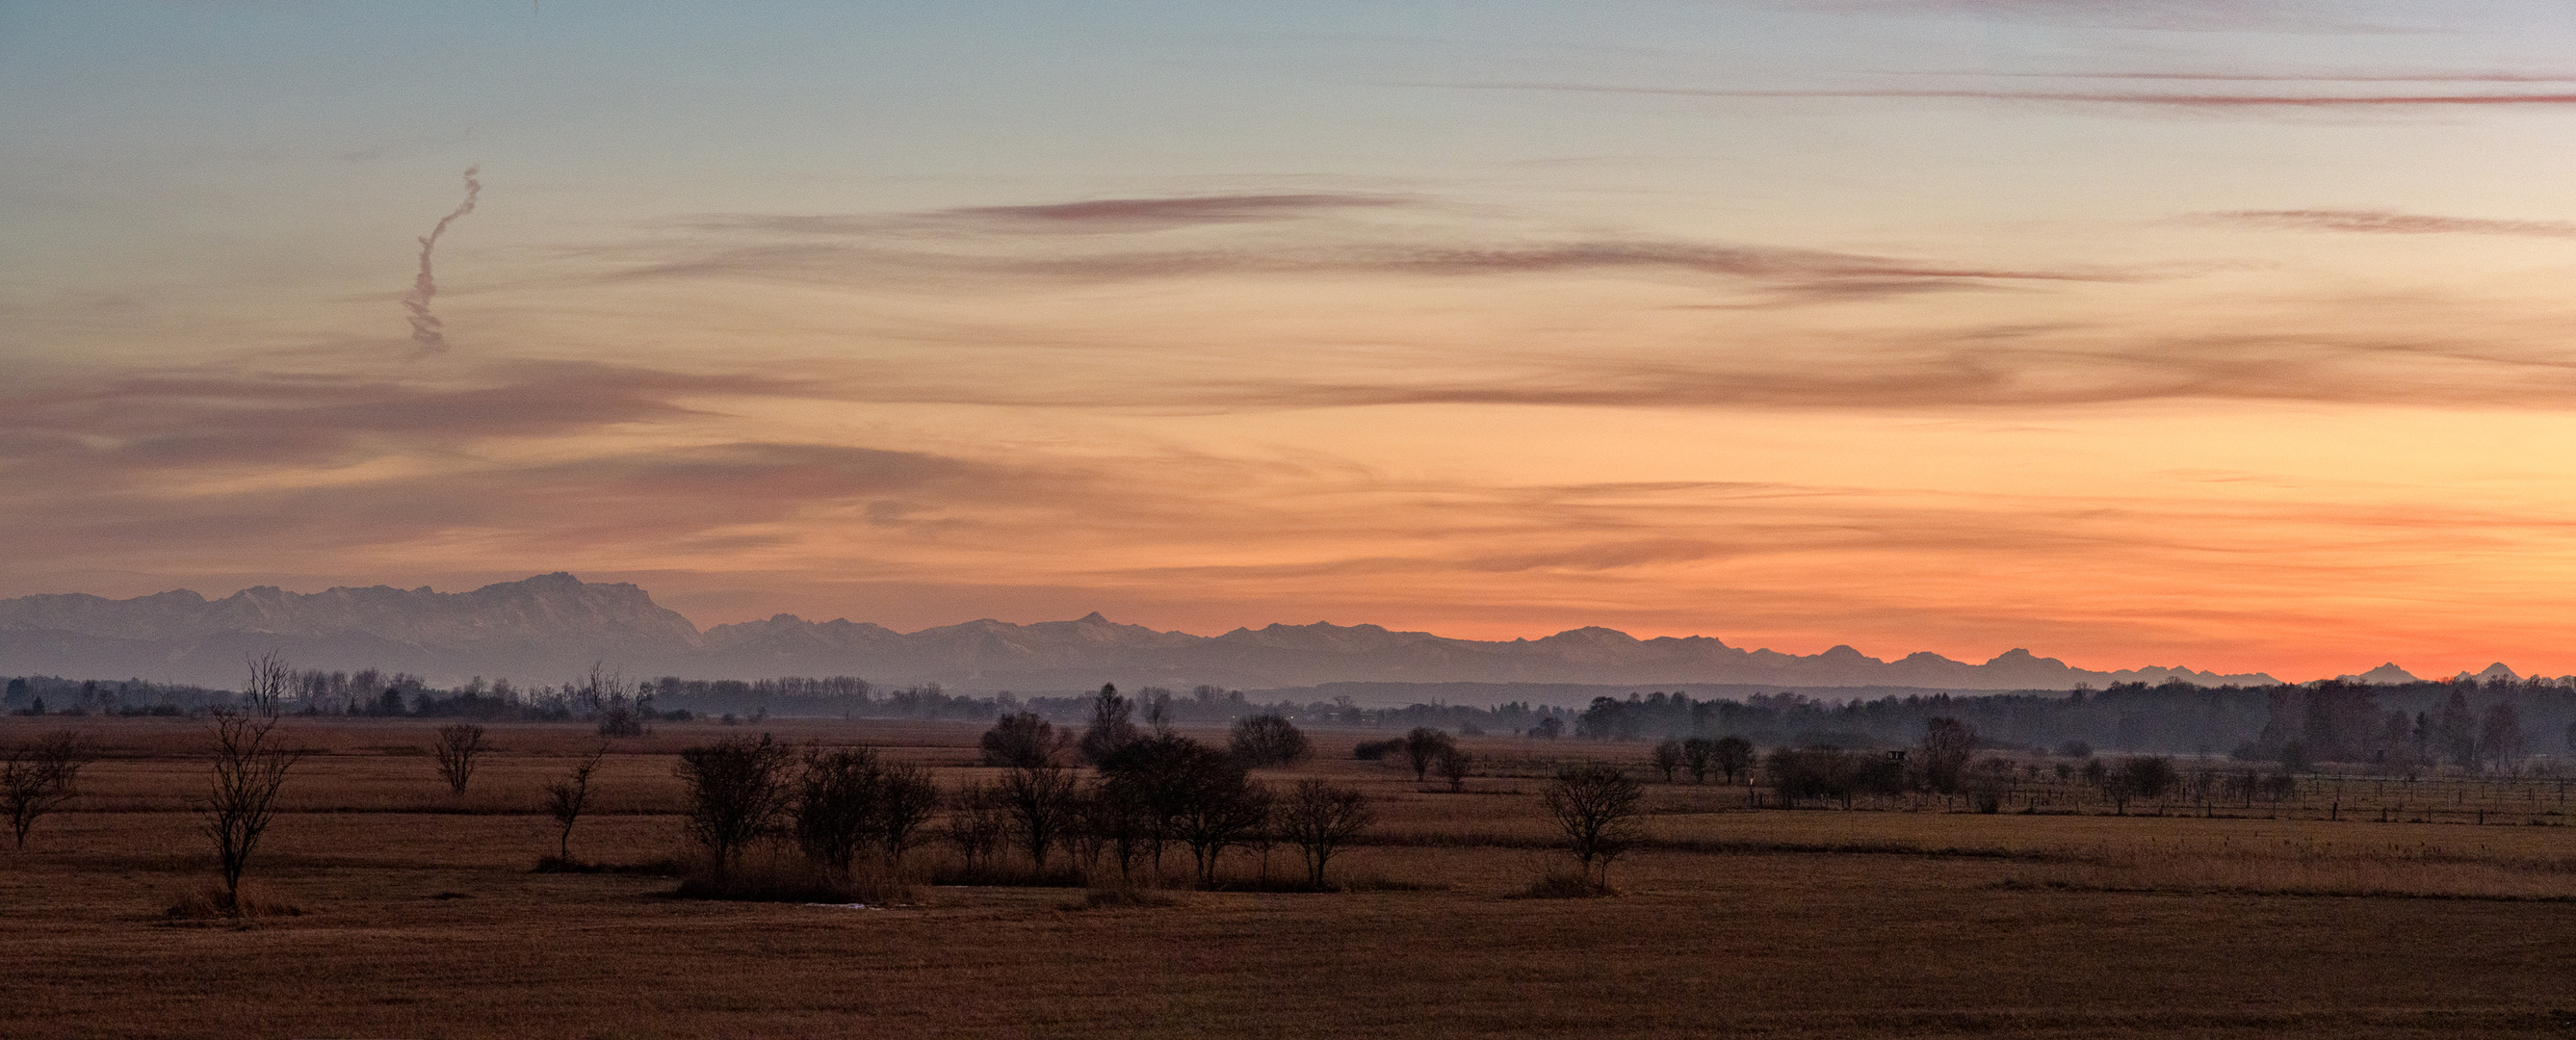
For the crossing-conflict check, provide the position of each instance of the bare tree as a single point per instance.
(1224, 808)
(977, 822)
(836, 805)
(2144, 776)
(39, 777)
(2456, 732)
(1697, 753)
(1121, 817)
(1944, 752)
(271, 678)
(1732, 756)
(1454, 767)
(607, 696)
(1319, 819)
(736, 793)
(1266, 740)
(1110, 728)
(906, 800)
(1668, 758)
(1158, 709)
(566, 798)
(251, 761)
(1423, 746)
(457, 748)
(1595, 806)
(1022, 740)
(2500, 741)
(1040, 802)
(1181, 790)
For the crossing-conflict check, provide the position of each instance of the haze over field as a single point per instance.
(2228, 334)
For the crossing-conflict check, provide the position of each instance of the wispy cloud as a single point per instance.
(2286, 77)
(133, 425)
(1259, 235)
(2262, 16)
(1093, 216)
(2179, 100)
(2387, 222)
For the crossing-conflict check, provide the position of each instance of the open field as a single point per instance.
(421, 916)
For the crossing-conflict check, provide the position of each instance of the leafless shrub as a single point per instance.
(566, 798)
(736, 793)
(836, 805)
(1453, 767)
(607, 697)
(39, 777)
(457, 749)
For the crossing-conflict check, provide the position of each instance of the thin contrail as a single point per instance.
(424, 325)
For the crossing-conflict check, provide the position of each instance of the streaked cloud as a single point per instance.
(203, 421)
(2174, 100)
(1091, 216)
(2262, 16)
(2392, 223)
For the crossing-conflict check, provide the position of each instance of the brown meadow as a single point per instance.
(420, 914)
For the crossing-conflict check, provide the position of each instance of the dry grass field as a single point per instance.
(421, 915)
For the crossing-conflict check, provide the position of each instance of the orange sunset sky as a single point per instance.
(2230, 335)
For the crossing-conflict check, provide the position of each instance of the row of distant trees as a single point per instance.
(2346, 724)
(2467, 725)
(1149, 793)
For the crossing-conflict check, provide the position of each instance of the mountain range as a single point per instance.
(553, 626)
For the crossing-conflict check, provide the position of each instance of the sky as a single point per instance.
(2228, 334)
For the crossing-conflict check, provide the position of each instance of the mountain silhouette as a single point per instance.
(551, 627)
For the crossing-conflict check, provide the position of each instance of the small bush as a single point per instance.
(1266, 741)
(1377, 750)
